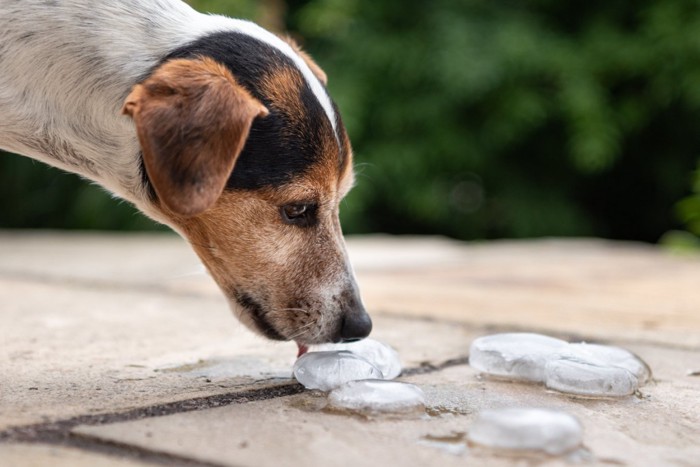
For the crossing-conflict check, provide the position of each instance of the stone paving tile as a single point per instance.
(71, 349)
(285, 432)
(599, 289)
(39, 455)
(107, 324)
(659, 427)
(156, 260)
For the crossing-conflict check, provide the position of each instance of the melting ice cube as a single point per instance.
(596, 370)
(368, 396)
(605, 355)
(527, 429)
(587, 379)
(328, 370)
(382, 356)
(518, 355)
(581, 369)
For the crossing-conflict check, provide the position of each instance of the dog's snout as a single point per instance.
(356, 323)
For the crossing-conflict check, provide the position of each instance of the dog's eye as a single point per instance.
(302, 215)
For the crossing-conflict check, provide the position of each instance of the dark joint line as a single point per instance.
(59, 433)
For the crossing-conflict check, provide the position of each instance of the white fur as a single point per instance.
(66, 67)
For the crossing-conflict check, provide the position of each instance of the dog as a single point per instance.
(211, 125)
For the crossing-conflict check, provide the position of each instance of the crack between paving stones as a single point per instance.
(60, 432)
(148, 456)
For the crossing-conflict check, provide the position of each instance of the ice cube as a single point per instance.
(372, 395)
(527, 429)
(382, 356)
(606, 355)
(519, 355)
(330, 369)
(587, 378)
(580, 369)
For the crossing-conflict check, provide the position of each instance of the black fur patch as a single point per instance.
(279, 147)
(150, 190)
(258, 314)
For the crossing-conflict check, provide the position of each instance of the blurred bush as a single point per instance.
(480, 119)
(491, 119)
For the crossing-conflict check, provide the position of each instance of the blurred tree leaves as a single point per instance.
(478, 119)
(567, 118)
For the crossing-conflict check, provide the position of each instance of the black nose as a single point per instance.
(356, 325)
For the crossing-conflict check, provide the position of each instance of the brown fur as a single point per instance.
(313, 66)
(192, 120)
(283, 86)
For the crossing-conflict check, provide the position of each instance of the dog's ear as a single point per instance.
(315, 69)
(192, 120)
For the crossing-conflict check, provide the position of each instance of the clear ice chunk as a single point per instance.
(382, 356)
(519, 355)
(605, 355)
(328, 370)
(584, 378)
(527, 429)
(581, 369)
(374, 396)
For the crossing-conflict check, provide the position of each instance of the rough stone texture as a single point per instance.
(659, 427)
(107, 324)
(85, 330)
(289, 431)
(39, 455)
(594, 288)
(69, 350)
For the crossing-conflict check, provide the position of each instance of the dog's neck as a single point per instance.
(75, 79)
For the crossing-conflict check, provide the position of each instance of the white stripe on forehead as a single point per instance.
(215, 23)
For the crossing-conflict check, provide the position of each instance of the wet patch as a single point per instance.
(454, 443)
(442, 411)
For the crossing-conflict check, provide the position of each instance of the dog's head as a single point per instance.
(249, 160)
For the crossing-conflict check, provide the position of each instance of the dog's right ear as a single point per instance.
(192, 119)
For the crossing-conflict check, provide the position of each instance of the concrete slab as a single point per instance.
(660, 427)
(72, 349)
(39, 455)
(608, 290)
(97, 326)
(286, 431)
(69, 349)
(595, 288)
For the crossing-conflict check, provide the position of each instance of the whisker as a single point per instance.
(320, 327)
(300, 331)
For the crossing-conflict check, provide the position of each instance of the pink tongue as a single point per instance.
(302, 349)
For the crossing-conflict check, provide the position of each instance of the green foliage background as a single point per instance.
(476, 119)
